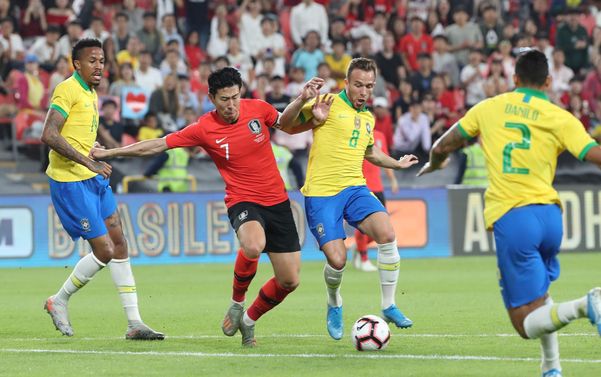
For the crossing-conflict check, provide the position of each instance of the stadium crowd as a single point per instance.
(436, 58)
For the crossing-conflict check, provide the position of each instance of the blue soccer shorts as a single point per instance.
(528, 240)
(83, 206)
(325, 213)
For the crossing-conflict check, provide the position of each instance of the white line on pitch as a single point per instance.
(405, 335)
(294, 355)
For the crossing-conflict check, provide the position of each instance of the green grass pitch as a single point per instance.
(461, 327)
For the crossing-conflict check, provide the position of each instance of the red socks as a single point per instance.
(269, 296)
(362, 240)
(244, 272)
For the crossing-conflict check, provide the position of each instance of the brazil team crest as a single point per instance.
(85, 224)
(254, 126)
(368, 127)
(320, 230)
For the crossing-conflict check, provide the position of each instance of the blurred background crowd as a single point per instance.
(436, 59)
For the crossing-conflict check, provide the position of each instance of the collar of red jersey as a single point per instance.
(532, 93)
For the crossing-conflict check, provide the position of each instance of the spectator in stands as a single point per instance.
(121, 33)
(151, 37)
(298, 145)
(438, 123)
(447, 104)
(363, 47)
(306, 17)
(31, 93)
(131, 54)
(572, 38)
(421, 80)
(60, 14)
(338, 61)
(271, 44)
(433, 25)
(463, 35)
(472, 165)
(194, 54)
(198, 19)
(46, 48)
(187, 99)
(173, 63)
(580, 110)
(7, 10)
(576, 87)
(508, 59)
(443, 62)
(218, 43)
(126, 79)
(11, 45)
(33, 20)
(412, 133)
(110, 131)
(61, 73)
(276, 97)
(398, 27)
(297, 81)
(472, 78)
(388, 62)
(150, 128)
(407, 95)
(414, 43)
(134, 14)
(491, 29)
(338, 32)
(165, 103)
(375, 30)
(261, 86)
(66, 42)
(539, 12)
(96, 30)
(383, 118)
(324, 72)
(282, 158)
(544, 45)
(309, 55)
(171, 169)
(110, 62)
(241, 61)
(591, 89)
(221, 62)
(560, 74)
(496, 82)
(169, 31)
(147, 76)
(250, 25)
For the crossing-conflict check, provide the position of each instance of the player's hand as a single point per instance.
(98, 145)
(429, 168)
(311, 88)
(99, 153)
(101, 167)
(321, 108)
(407, 161)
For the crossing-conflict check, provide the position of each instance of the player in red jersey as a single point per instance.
(373, 178)
(236, 136)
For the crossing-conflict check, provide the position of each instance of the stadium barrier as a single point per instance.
(194, 228)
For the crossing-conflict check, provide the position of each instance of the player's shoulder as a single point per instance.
(250, 104)
(67, 85)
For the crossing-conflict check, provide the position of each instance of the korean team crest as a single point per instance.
(243, 215)
(85, 224)
(320, 230)
(254, 126)
(368, 127)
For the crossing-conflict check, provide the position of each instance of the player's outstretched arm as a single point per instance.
(448, 143)
(289, 119)
(594, 156)
(142, 148)
(52, 137)
(375, 155)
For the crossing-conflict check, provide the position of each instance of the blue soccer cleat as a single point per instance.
(593, 308)
(552, 373)
(393, 314)
(334, 322)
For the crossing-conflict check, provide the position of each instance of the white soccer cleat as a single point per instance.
(59, 314)
(367, 266)
(594, 308)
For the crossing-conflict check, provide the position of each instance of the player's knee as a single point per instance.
(120, 249)
(290, 284)
(253, 249)
(337, 262)
(385, 236)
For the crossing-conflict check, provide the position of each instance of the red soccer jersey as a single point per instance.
(371, 172)
(241, 151)
(412, 47)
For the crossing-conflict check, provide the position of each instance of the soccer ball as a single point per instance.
(370, 333)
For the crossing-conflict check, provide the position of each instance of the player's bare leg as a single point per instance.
(252, 243)
(378, 226)
(335, 253)
(123, 278)
(286, 268)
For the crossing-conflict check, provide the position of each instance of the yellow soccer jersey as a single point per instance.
(522, 133)
(336, 157)
(78, 104)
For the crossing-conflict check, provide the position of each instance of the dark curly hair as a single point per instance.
(224, 78)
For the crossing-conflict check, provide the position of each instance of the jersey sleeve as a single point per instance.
(191, 136)
(306, 113)
(62, 100)
(272, 116)
(468, 124)
(575, 139)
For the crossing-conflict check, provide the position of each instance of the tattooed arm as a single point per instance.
(51, 136)
(448, 143)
